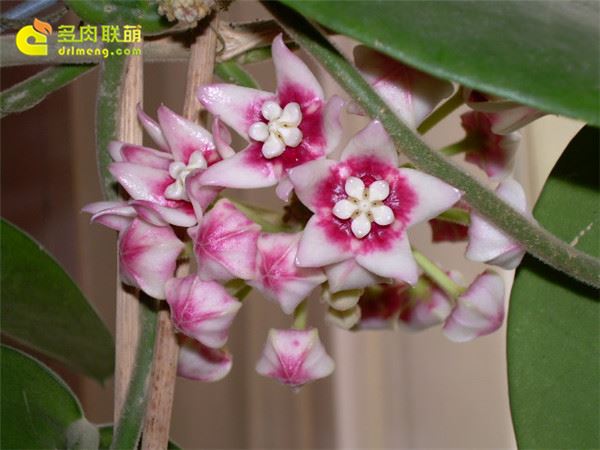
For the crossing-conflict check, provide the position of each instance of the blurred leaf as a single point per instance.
(106, 435)
(554, 322)
(36, 88)
(232, 72)
(541, 54)
(122, 12)
(43, 308)
(39, 411)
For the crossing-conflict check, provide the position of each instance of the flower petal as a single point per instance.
(395, 262)
(292, 73)
(332, 127)
(237, 106)
(115, 215)
(344, 209)
(114, 149)
(142, 183)
(307, 180)
(433, 195)
(152, 128)
(372, 140)
(382, 215)
(222, 139)
(284, 188)
(316, 249)
(155, 214)
(200, 196)
(348, 275)
(144, 156)
(479, 311)
(201, 363)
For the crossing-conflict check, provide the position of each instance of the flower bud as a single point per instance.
(201, 363)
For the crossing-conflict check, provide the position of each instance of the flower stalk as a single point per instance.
(438, 276)
(444, 110)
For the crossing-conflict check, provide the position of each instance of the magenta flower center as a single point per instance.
(364, 205)
(281, 129)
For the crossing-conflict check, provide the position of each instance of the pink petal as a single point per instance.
(185, 137)
(348, 275)
(114, 148)
(159, 215)
(394, 262)
(434, 196)
(144, 156)
(293, 74)
(331, 123)
(426, 311)
(142, 183)
(242, 171)
(222, 139)
(278, 277)
(479, 311)
(372, 140)
(152, 128)
(294, 357)
(201, 363)
(316, 249)
(239, 107)
(115, 215)
(410, 93)
(487, 243)
(307, 179)
(202, 310)
(148, 256)
(225, 244)
(284, 189)
(200, 196)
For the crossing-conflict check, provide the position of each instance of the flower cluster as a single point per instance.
(353, 245)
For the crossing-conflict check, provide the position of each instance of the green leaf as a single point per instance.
(232, 72)
(36, 88)
(39, 411)
(542, 54)
(122, 12)
(106, 436)
(43, 308)
(554, 322)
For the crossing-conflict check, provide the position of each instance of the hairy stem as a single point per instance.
(539, 242)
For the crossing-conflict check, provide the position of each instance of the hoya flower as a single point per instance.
(202, 310)
(202, 363)
(493, 153)
(479, 311)
(363, 205)
(490, 245)
(156, 179)
(294, 357)
(505, 116)
(225, 244)
(147, 253)
(277, 275)
(445, 230)
(410, 93)
(285, 129)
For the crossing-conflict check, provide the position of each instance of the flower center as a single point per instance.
(281, 131)
(364, 205)
(179, 172)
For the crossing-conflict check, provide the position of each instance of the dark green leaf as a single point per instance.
(554, 322)
(39, 411)
(106, 435)
(121, 12)
(33, 90)
(232, 72)
(543, 54)
(43, 308)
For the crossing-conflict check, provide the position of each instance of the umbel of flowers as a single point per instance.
(353, 248)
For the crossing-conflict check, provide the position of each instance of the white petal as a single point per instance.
(307, 179)
(361, 226)
(382, 215)
(271, 110)
(379, 190)
(273, 147)
(317, 249)
(291, 136)
(354, 187)
(372, 140)
(259, 131)
(291, 114)
(395, 262)
(344, 209)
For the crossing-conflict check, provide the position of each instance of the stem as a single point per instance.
(539, 242)
(445, 109)
(128, 428)
(301, 315)
(438, 276)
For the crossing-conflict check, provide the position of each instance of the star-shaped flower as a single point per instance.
(363, 206)
(285, 130)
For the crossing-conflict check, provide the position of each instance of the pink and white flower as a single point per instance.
(277, 275)
(294, 357)
(157, 179)
(285, 130)
(479, 311)
(202, 310)
(490, 245)
(201, 363)
(225, 244)
(493, 153)
(505, 116)
(147, 253)
(363, 206)
(410, 93)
